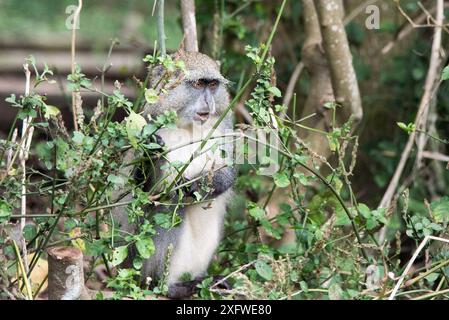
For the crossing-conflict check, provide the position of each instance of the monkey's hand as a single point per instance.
(186, 289)
(221, 181)
(154, 146)
(156, 139)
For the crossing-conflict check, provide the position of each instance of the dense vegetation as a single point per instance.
(312, 230)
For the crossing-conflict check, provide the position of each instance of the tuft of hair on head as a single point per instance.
(199, 65)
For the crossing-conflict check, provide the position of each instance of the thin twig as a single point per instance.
(27, 133)
(430, 89)
(73, 47)
(412, 260)
(23, 272)
(291, 85)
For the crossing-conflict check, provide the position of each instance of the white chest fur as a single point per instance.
(202, 223)
(186, 141)
(200, 236)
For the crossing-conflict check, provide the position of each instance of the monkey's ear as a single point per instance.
(218, 63)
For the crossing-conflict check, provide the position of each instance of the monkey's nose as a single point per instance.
(203, 116)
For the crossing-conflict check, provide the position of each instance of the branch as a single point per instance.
(74, 94)
(160, 26)
(189, 25)
(339, 57)
(437, 61)
(27, 136)
(430, 88)
(292, 83)
(408, 28)
(412, 260)
(428, 16)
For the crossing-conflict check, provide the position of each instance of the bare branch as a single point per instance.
(431, 85)
(189, 25)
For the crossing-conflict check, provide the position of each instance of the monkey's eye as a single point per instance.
(199, 84)
(213, 84)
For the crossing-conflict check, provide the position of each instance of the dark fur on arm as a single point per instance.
(222, 180)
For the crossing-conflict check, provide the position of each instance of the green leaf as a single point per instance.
(134, 125)
(445, 74)
(409, 128)
(151, 96)
(264, 270)
(145, 247)
(335, 292)
(256, 212)
(50, 111)
(119, 255)
(78, 137)
(29, 232)
(5, 210)
(281, 180)
(330, 105)
(116, 180)
(364, 210)
(163, 220)
(440, 209)
(275, 91)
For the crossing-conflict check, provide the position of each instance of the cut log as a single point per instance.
(65, 274)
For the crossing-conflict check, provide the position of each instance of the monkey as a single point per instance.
(199, 96)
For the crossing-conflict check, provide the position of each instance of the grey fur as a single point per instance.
(186, 100)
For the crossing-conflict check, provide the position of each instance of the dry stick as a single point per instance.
(291, 85)
(27, 135)
(415, 25)
(412, 260)
(430, 17)
(435, 156)
(23, 272)
(241, 268)
(436, 56)
(74, 27)
(432, 76)
(189, 25)
(407, 29)
(10, 150)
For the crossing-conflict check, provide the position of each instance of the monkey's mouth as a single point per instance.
(201, 116)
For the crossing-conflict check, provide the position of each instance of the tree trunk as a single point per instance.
(65, 274)
(339, 57)
(320, 91)
(189, 25)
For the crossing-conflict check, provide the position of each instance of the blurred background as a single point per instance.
(390, 79)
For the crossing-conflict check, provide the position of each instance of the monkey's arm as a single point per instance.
(222, 180)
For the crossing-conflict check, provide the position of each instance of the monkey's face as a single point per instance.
(197, 95)
(205, 99)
